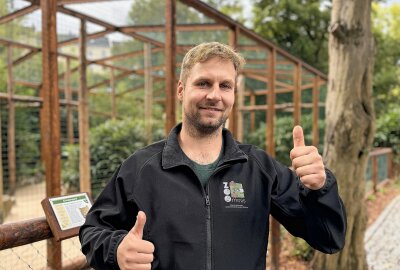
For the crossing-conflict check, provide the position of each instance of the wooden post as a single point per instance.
(270, 143)
(113, 95)
(12, 171)
(170, 59)
(84, 154)
(148, 93)
(50, 116)
(232, 121)
(240, 104)
(68, 98)
(297, 95)
(252, 112)
(315, 96)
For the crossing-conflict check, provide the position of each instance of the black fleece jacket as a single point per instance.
(222, 226)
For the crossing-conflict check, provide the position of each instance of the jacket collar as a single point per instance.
(173, 155)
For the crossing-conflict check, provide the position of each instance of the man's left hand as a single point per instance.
(307, 162)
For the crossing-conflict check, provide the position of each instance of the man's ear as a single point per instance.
(180, 90)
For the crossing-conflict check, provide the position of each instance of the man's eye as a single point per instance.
(203, 84)
(226, 86)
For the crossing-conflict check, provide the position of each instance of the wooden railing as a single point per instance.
(30, 231)
(374, 155)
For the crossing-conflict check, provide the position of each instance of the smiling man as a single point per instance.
(200, 199)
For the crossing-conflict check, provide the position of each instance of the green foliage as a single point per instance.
(298, 26)
(386, 30)
(70, 168)
(283, 136)
(302, 250)
(110, 144)
(388, 131)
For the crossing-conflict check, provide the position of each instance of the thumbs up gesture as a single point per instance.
(133, 252)
(307, 162)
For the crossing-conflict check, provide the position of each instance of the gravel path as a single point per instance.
(382, 239)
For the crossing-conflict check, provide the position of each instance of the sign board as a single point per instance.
(65, 214)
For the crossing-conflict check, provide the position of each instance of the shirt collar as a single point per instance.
(173, 155)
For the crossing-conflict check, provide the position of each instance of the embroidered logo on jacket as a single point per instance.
(234, 195)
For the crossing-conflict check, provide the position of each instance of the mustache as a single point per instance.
(211, 105)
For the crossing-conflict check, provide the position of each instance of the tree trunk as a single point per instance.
(350, 123)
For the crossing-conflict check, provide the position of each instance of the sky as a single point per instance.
(118, 8)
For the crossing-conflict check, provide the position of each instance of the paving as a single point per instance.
(382, 239)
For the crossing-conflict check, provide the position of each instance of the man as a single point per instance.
(201, 200)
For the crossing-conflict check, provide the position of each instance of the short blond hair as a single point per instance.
(205, 51)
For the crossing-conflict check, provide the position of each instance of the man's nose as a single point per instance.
(214, 93)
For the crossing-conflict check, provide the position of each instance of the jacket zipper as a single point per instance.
(208, 220)
(208, 231)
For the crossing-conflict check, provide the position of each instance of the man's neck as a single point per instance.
(201, 148)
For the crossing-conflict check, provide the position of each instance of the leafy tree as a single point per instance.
(386, 29)
(298, 26)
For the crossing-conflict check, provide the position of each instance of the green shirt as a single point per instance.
(204, 172)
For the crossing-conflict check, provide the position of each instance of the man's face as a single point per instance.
(208, 95)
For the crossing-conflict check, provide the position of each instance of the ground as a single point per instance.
(376, 203)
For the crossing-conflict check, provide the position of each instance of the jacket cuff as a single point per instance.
(112, 256)
(329, 182)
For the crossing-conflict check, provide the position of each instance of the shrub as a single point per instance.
(110, 143)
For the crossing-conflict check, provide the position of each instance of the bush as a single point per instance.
(388, 131)
(110, 144)
(283, 136)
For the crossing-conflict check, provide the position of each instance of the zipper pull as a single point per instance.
(207, 201)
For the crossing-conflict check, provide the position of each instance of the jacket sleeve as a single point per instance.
(317, 216)
(108, 221)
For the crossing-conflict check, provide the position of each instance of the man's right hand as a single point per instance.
(134, 253)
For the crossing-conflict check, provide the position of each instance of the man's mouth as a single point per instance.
(211, 109)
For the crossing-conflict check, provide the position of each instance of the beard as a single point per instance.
(203, 127)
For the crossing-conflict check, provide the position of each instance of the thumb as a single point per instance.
(298, 137)
(137, 229)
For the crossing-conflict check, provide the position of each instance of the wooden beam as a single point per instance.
(68, 98)
(11, 151)
(18, 13)
(170, 47)
(240, 107)
(84, 154)
(270, 148)
(25, 57)
(90, 36)
(148, 93)
(271, 100)
(297, 95)
(117, 77)
(50, 116)
(190, 27)
(232, 121)
(315, 112)
(24, 233)
(113, 96)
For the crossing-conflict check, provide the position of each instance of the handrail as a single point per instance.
(24, 232)
(29, 231)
